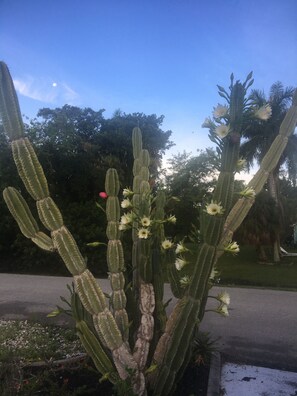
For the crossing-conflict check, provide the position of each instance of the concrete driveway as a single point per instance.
(261, 328)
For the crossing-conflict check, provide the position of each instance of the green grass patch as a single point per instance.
(244, 269)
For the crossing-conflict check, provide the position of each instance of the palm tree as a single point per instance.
(259, 137)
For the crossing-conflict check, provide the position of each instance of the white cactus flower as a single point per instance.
(166, 244)
(207, 123)
(220, 111)
(145, 221)
(127, 218)
(223, 310)
(222, 130)
(127, 192)
(224, 298)
(126, 203)
(232, 247)
(264, 112)
(143, 233)
(180, 248)
(214, 209)
(180, 263)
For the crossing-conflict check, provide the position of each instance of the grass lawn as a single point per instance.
(244, 269)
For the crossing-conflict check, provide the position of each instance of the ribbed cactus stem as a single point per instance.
(9, 105)
(20, 211)
(96, 352)
(173, 346)
(158, 264)
(35, 182)
(115, 255)
(270, 160)
(141, 251)
(29, 169)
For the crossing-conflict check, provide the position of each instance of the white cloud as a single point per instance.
(43, 90)
(69, 94)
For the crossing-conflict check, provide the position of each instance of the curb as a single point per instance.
(214, 379)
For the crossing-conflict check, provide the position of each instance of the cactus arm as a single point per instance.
(90, 293)
(9, 105)
(29, 169)
(141, 251)
(174, 345)
(20, 211)
(168, 359)
(158, 262)
(96, 352)
(243, 205)
(115, 253)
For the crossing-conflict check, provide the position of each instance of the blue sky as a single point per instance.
(154, 56)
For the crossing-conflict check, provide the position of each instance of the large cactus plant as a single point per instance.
(131, 340)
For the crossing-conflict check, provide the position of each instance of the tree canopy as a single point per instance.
(191, 180)
(75, 147)
(258, 138)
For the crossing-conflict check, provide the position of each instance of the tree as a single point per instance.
(261, 224)
(76, 146)
(115, 142)
(259, 137)
(191, 179)
(70, 139)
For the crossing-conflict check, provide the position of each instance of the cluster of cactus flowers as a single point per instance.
(131, 339)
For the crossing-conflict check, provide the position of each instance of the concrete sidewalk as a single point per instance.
(256, 381)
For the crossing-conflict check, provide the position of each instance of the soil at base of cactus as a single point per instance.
(84, 381)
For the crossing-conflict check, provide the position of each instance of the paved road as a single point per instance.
(261, 328)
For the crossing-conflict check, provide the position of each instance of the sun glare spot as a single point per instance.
(54, 84)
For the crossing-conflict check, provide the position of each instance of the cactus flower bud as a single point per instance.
(171, 219)
(241, 164)
(103, 195)
(185, 281)
(127, 192)
(248, 193)
(233, 248)
(214, 273)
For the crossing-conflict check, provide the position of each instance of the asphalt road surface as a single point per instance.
(261, 328)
